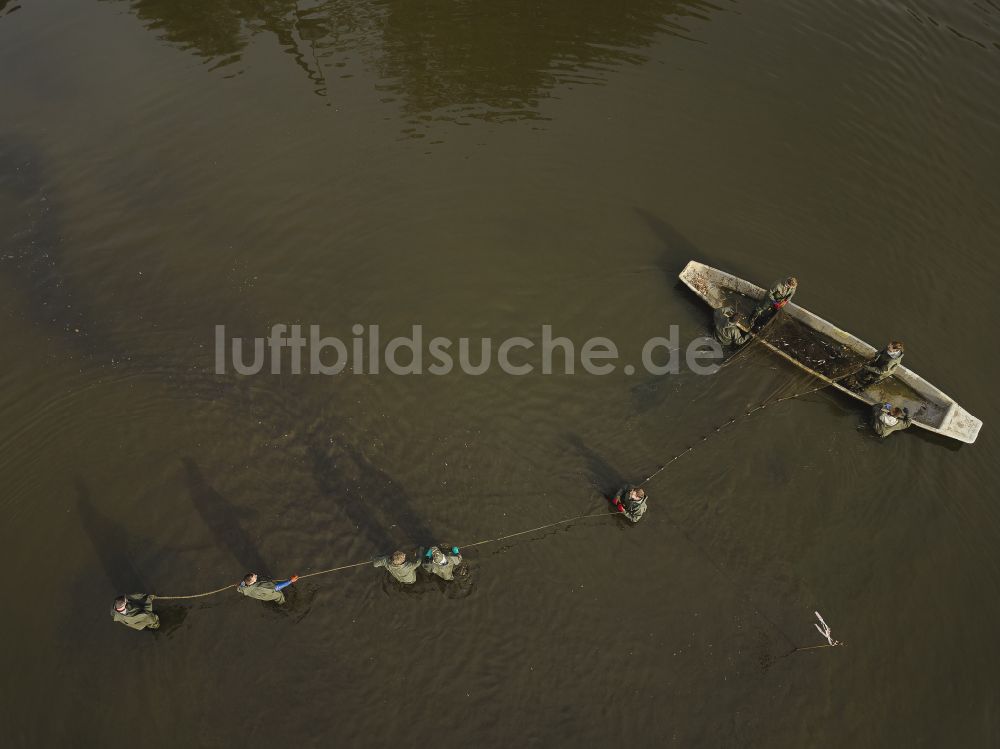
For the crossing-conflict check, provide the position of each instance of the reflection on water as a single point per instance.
(496, 60)
(444, 59)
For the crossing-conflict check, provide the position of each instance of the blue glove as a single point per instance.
(454, 550)
(429, 554)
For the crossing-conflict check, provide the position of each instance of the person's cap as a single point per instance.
(438, 556)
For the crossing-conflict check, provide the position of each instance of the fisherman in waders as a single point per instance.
(398, 566)
(887, 419)
(780, 294)
(135, 610)
(264, 590)
(441, 564)
(727, 329)
(630, 501)
(881, 367)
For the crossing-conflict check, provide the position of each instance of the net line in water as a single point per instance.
(601, 513)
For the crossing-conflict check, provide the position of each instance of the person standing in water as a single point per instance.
(887, 419)
(399, 567)
(442, 564)
(135, 610)
(630, 501)
(264, 590)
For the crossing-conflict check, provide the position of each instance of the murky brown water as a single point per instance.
(482, 169)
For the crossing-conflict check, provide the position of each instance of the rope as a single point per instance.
(767, 401)
(817, 647)
(333, 569)
(194, 595)
(604, 513)
(735, 356)
(763, 404)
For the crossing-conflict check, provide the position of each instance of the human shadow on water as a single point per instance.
(171, 618)
(604, 477)
(390, 499)
(222, 519)
(375, 503)
(111, 544)
(297, 605)
(334, 483)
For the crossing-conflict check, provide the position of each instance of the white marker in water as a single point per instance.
(824, 630)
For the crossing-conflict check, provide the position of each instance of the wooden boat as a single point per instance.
(832, 355)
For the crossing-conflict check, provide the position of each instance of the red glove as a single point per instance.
(618, 504)
(294, 579)
(779, 305)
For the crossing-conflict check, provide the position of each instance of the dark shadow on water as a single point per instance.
(375, 503)
(390, 499)
(171, 618)
(677, 248)
(222, 520)
(111, 544)
(463, 584)
(297, 606)
(33, 252)
(34, 259)
(334, 483)
(604, 477)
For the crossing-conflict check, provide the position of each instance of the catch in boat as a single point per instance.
(832, 355)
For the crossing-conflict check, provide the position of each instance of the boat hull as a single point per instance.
(834, 354)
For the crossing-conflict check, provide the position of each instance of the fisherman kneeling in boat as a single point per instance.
(441, 564)
(398, 566)
(727, 327)
(881, 367)
(780, 294)
(135, 610)
(887, 418)
(630, 501)
(264, 590)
